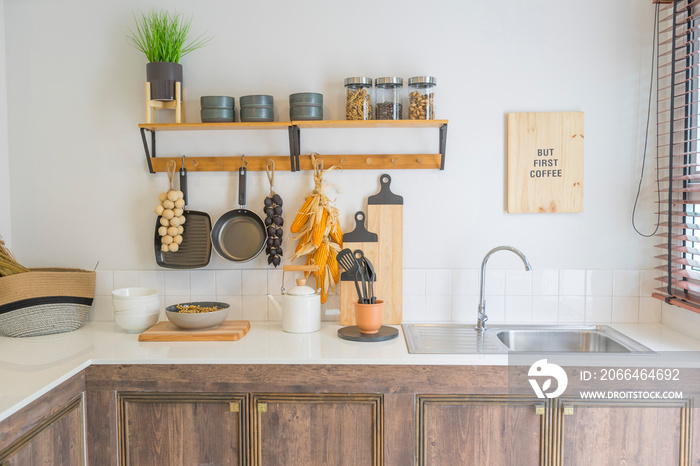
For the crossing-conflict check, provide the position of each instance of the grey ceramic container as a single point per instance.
(218, 115)
(306, 106)
(216, 101)
(257, 114)
(257, 108)
(257, 101)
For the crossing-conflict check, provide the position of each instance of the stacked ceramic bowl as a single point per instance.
(136, 309)
(257, 108)
(217, 109)
(305, 106)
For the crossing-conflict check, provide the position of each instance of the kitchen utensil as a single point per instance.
(195, 250)
(239, 235)
(367, 241)
(230, 330)
(195, 321)
(369, 274)
(385, 217)
(134, 293)
(300, 307)
(306, 106)
(346, 259)
(353, 333)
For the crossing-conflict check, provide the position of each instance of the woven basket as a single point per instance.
(45, 301)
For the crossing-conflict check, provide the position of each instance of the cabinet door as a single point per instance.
(639, 433)
(311, 429)
(58, 441)
(192, 429)
(478, 429)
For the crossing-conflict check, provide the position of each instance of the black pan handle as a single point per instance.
(241, 186)
(183, 182)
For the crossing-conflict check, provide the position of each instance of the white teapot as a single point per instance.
(300, 307)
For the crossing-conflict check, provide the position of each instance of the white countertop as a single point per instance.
(30, 367)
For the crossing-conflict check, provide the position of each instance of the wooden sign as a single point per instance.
(545, 162)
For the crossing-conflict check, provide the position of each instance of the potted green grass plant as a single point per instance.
(163, 37)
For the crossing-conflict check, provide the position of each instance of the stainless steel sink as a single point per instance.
(464, 339)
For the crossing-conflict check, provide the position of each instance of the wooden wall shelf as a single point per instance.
(295, 161)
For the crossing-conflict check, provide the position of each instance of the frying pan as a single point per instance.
(239, 235)
(195, 250)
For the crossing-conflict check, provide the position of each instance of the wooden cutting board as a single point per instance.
(230, 330)
(367, 241)
(385, 217)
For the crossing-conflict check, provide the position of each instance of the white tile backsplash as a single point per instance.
(598, 309)
(572, 309)
(599, 282)
(572, 282)
(545, 282)
(177, 283)
(625, 309)
(203, 282)
(441, 295)
(438, 308)
(518, 283)
(626, 283)
(414, 282)
(125, 278)
(228, 282)
(465, 282)
(438, 282)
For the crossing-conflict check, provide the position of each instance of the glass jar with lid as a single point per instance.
(388, 104)
(421, 98)
(358, 98)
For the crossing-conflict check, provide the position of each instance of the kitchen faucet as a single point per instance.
(482, 318)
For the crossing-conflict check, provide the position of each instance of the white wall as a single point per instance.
(80, 188)
(5, 229)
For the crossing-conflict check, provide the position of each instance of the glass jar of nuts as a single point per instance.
(421, 98)
(358, 98)
(388, 92)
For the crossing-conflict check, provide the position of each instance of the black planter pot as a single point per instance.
(162, 76)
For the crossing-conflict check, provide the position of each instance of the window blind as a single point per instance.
(678, 120)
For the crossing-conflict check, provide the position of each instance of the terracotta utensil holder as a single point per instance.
(369, 316)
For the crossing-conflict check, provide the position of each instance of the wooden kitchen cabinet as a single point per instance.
(271, 414)
(316, 429)
(48, 431)
(477, 429)
(57, 442)
(623, 432)
(171, 428)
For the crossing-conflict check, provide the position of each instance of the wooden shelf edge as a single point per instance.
(300, 124)
(282, 163)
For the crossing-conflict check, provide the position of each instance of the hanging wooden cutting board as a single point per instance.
(362, 239)
(230, 330)
(385, 217)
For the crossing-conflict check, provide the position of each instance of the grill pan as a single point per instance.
(195, 250)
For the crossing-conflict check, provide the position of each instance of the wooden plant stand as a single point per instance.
(154, 105)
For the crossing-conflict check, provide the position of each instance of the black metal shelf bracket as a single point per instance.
(294, 147)
(443, 145)
(152, 152)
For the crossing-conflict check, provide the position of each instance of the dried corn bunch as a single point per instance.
(8, 264)
(317, 228)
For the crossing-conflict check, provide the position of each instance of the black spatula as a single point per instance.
(346, 259)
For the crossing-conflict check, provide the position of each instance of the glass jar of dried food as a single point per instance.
(358, 98)
(389, 92)
(421, 98)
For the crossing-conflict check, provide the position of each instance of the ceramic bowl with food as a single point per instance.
(197, 315)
